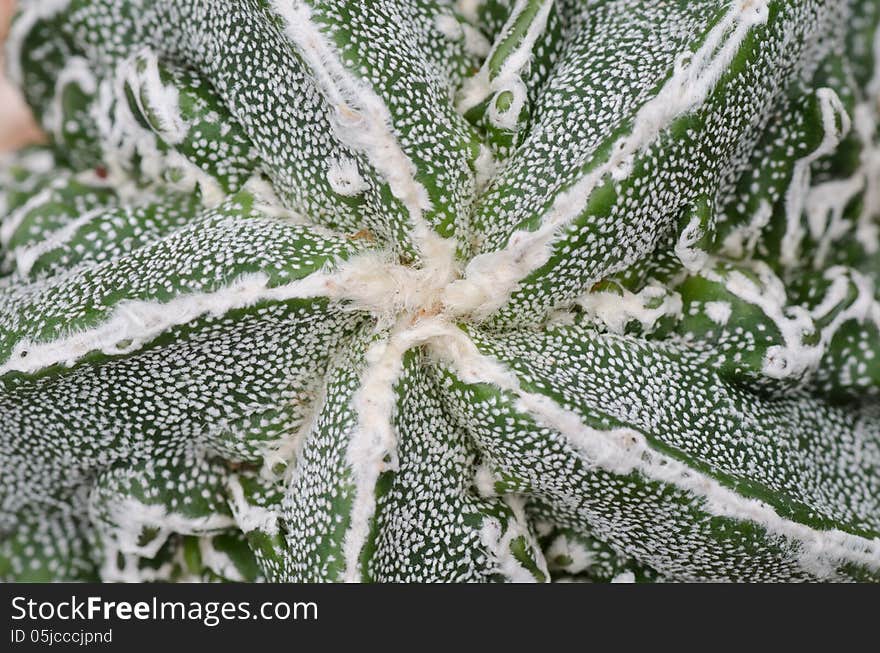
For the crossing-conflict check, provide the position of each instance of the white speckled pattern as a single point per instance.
(423, 290)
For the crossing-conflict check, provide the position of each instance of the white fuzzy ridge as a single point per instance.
(249, 517)
(509, 77)
(615, 311)
(375, 438)
(286, 449)
(864, 308)
(26, 257)
(692, 258)
(793, 358)
(266, 201)
(129, 517)
(484, 481)
(485, 167)
(509, 118)
(76, 71)
(154, 97)
(474, 41)
(122, 136)
(131, 572)
(626, 450)
(868, 227)
(142, 321)
(11, 222)
(497, 542)
(742, 240)
(826, 202)
(469, 9)
(448, 26)
(370, 282)
(362, 120)
(218, 561)
(490, 278)
(796, 197)
(30, 12)
(38, 162)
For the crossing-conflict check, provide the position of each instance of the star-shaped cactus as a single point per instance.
(423, 290)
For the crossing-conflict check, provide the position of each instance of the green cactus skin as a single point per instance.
(423, 290)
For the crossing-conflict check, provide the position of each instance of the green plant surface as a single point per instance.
(438, 291)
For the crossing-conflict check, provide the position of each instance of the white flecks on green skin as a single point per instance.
(487, 290)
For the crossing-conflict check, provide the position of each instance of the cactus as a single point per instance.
(425, 290)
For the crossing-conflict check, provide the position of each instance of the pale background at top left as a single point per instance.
(16, 125)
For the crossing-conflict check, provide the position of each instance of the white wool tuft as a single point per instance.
(719, 312)
(345, 178)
